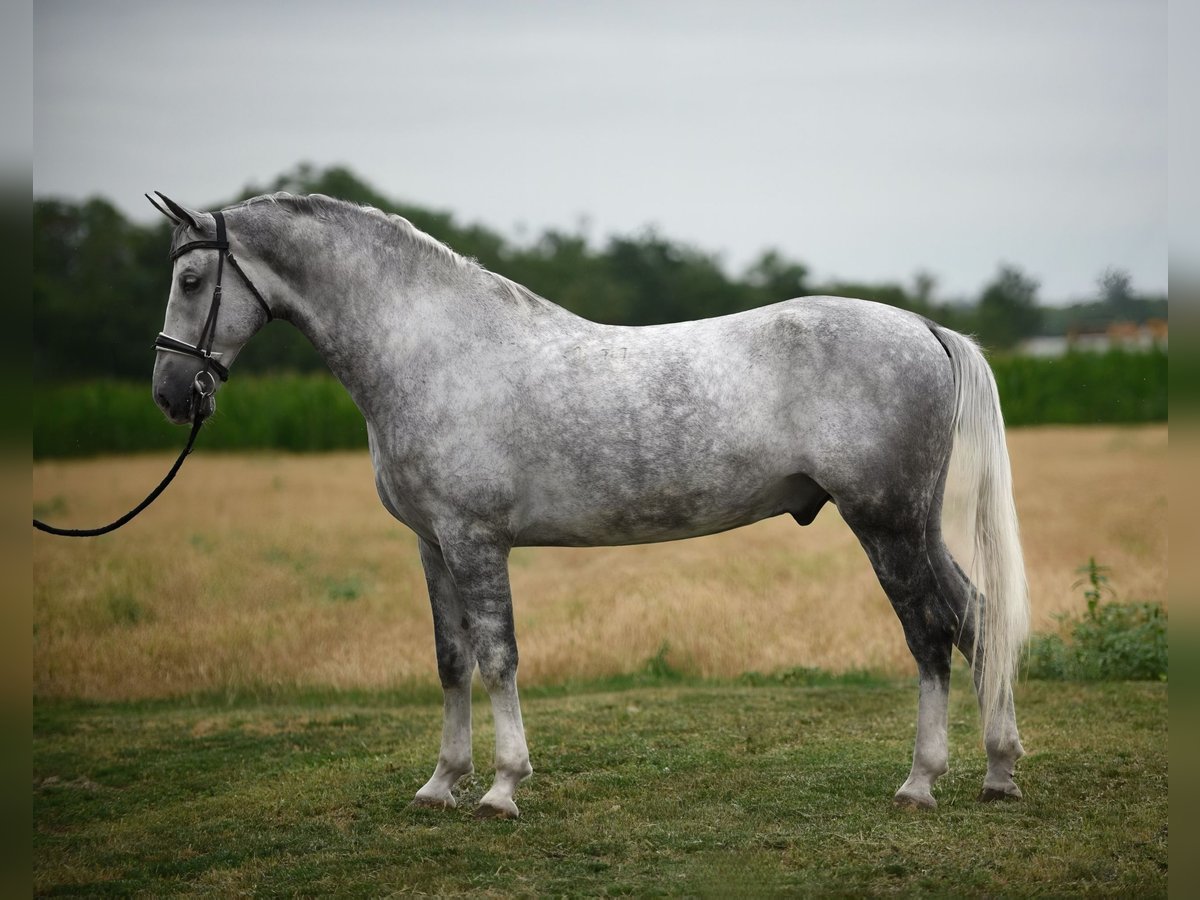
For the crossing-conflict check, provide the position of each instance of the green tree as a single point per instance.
(1008, 309)
(668, 282)
(774, 277)
(1116, 292)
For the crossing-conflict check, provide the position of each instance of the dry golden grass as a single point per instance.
(261, 571)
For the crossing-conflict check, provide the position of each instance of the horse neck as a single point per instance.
(371, 300)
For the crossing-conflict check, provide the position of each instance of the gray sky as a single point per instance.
(868, 139)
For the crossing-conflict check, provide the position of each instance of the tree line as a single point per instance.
(100, 284)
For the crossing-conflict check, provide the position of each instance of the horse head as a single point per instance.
(210, 316)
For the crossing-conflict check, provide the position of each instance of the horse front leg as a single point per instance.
(456, 665)
(480, 571)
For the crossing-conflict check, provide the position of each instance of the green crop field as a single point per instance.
(313, 413)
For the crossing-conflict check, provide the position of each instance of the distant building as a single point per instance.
(1150, 335)
(1050, 345)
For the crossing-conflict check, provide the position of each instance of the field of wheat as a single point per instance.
(264, 571)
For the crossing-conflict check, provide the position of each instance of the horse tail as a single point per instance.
(999, 600)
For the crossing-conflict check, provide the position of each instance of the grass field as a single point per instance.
(237, 694)
(264, 573)
(699, 790)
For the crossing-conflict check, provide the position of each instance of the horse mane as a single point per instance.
(328, 208)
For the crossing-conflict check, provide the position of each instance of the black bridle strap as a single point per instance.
(153, 495)
(209, 330)
(233, 264)
(203, 348)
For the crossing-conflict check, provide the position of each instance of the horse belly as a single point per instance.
(667, 513)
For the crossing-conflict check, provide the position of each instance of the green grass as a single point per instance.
(664, 786)
(313, 413)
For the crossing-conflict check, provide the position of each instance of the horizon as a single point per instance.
(597, 245)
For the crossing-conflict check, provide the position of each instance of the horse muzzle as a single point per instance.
(183, 395)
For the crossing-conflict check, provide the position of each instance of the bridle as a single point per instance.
(203, 348)
(205, 385)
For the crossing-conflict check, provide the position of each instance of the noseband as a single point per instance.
(205, 384)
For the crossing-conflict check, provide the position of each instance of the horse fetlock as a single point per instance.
(929, 767)
(437, 792)
(519, 769)
(453, 771)
(512, 773)
(1004, 747)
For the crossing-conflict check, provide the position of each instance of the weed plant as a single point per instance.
(1110, 641)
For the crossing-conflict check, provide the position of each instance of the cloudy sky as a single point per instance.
(868, 139)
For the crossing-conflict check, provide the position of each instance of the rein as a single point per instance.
(197, 421)
(205, 384)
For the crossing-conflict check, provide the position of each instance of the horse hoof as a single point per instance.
(502, 810)
(991, 794)
(915, 801)
(447, 802)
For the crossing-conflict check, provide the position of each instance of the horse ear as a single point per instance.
(182, 213)
(156, 205)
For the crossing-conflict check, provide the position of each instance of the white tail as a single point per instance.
(997, 567)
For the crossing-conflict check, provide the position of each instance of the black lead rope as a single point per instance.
(129, 516)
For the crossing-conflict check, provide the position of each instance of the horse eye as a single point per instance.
(190, 282)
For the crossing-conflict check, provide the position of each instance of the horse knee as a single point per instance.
(497, 664)
(494, 643)
(454, 667)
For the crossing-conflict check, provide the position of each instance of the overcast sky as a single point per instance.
(868, 139)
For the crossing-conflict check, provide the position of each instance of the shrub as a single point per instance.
(1109, 642)
(1083, 388)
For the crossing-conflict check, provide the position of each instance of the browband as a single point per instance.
(198, 245)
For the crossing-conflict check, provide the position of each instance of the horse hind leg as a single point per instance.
(1002, 740)
(897, 553)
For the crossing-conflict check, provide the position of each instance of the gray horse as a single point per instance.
(497, 419)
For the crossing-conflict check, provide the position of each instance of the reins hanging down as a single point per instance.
(205, 384)
(153, 495)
